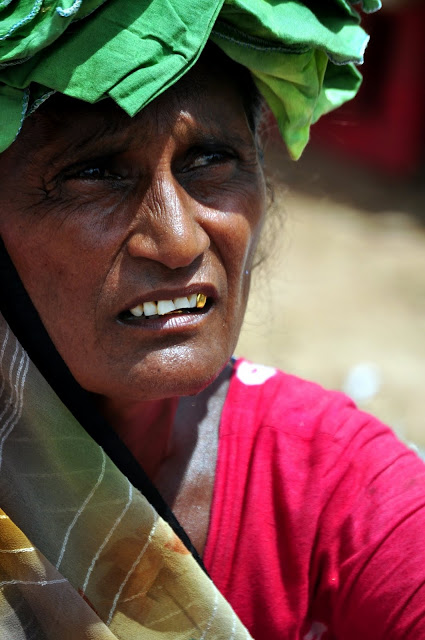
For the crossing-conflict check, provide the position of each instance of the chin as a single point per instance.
(186, 385)
(144, 383)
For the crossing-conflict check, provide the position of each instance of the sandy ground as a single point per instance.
(342, 299)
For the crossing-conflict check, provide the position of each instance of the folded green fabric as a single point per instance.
(300, 53)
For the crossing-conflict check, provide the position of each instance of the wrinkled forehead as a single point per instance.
(207, 99)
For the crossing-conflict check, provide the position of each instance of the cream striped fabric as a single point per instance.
(82, 553)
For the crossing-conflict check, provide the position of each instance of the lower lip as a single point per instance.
(172, 323)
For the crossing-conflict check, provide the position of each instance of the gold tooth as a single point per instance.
(201, 300)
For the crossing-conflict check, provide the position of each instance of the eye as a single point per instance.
(201, 157)
(96, 173)
(206, 159)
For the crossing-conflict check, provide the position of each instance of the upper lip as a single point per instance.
(171, 293)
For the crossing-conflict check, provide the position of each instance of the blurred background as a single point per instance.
(341, 297)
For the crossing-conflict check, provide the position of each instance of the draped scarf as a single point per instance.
(88, 548)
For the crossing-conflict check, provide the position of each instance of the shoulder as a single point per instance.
(322, 491)
(301, 432)
(272, 399)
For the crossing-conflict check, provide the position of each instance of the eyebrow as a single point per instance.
(110, 137)
(114, 135)
(212, 131)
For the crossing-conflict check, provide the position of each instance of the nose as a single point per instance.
(169, 226)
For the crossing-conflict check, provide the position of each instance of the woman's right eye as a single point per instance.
(96, 173)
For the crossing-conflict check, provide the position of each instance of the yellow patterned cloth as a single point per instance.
(82, 553)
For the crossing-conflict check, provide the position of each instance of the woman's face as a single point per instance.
(102, 213)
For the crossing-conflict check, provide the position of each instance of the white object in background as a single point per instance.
(363, 382)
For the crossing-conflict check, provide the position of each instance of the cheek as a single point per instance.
(239, 239)
(62, 281)
(33, 263)
(243, 233)
(253, 228)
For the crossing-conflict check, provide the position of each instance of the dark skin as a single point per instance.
(100, 213)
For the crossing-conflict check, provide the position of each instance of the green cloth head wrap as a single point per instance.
(300, 53)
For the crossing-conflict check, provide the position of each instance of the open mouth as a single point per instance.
(195, 303)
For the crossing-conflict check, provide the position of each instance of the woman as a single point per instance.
(129, 236)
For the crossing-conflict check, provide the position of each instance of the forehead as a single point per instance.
(205, 102)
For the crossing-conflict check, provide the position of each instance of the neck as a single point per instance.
(145, 427)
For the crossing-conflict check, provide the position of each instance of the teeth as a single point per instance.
(137, 311)
(181, 303)
(165, 306)
(150, 309)
(162, 307)
(200, 300)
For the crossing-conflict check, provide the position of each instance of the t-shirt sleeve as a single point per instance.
(317, 530)
(368, 564)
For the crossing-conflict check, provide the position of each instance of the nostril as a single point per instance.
(174, 250)
(140, 245)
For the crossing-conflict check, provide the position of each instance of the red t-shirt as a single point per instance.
(317, 527)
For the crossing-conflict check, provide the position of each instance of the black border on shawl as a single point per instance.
(26, 324)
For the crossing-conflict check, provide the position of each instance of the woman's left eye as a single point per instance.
(206, 159)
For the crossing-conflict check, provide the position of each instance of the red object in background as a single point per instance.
(384, 126)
